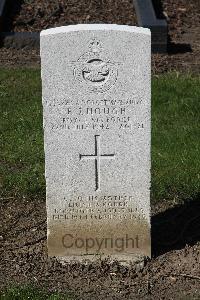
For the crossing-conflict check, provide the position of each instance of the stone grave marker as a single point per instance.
(96, 104)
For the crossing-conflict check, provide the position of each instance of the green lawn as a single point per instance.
(175, 136)
(27, 292)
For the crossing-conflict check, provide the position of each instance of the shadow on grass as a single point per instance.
(176, 227)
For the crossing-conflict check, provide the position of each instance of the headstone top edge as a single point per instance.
(88, 27)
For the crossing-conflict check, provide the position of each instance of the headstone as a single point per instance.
(96, 101)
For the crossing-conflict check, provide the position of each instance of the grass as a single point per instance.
(22, 157)
(175, 135)
(27, 292)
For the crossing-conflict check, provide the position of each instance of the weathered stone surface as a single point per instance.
(96, 101)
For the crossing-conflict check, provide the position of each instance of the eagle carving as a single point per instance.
(96, 71)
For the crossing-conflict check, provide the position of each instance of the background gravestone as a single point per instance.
(96, 101)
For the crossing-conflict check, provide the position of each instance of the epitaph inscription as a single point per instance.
(96, 104)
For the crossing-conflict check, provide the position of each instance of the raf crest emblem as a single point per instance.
(95, 70)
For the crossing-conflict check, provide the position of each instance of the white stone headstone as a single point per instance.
(96, 100)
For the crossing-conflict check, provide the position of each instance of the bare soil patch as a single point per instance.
(34, 15)
(183, 19)
(173, 273)
(10, 57)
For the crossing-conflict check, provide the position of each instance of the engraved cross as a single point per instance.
(97, 158)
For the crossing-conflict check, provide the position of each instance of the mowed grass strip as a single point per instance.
(175, 135)
(22, 155)
(32, 293)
